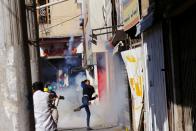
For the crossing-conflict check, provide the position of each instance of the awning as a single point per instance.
(145, 23)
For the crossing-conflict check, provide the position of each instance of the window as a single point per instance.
(43, 13)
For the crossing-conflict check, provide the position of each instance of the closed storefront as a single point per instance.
(156, 117)
(183, 52)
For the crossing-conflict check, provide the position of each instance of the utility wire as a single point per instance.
(61, 23)
(60, 17)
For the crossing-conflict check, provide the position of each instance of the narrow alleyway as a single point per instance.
(109, 65)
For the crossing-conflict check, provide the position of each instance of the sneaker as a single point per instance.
(77, 109)
(88, 128)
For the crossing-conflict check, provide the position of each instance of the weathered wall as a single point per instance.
(59, 14)
(15, 82)
(97, 20)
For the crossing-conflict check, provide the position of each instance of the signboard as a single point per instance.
(131, 13)
(59, 47)
(134, 62)
(51, 51)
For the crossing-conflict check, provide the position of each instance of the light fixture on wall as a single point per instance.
(93, 38)
(94, 35)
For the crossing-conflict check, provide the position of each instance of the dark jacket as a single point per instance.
(89, 91)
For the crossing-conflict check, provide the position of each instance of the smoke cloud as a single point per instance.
(111, 110)
(73, 94)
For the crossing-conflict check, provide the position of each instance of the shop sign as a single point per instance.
(57, 51)
(131, 13)
(54, 52)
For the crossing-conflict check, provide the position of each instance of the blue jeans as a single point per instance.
(85, 103)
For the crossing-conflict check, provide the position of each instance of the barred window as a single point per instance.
(43, 13)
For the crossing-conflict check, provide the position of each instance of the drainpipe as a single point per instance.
(33, 39)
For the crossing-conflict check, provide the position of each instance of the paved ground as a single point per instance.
(95, 129)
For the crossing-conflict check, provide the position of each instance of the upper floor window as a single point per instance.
(43, 13)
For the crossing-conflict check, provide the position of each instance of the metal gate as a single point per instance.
(184, 55)
(156, 116)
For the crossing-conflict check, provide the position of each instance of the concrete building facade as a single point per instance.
(63, 20)
(110, 71)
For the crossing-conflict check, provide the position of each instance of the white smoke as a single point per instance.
(111, 110)
(119, 91)
(71, 42)
(67, 117)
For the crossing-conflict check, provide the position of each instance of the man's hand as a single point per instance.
(96, 96)
(61, 97)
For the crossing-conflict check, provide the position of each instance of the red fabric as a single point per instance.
(102, 83)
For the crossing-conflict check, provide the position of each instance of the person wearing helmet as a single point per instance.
(54, 100)
(42, 112)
